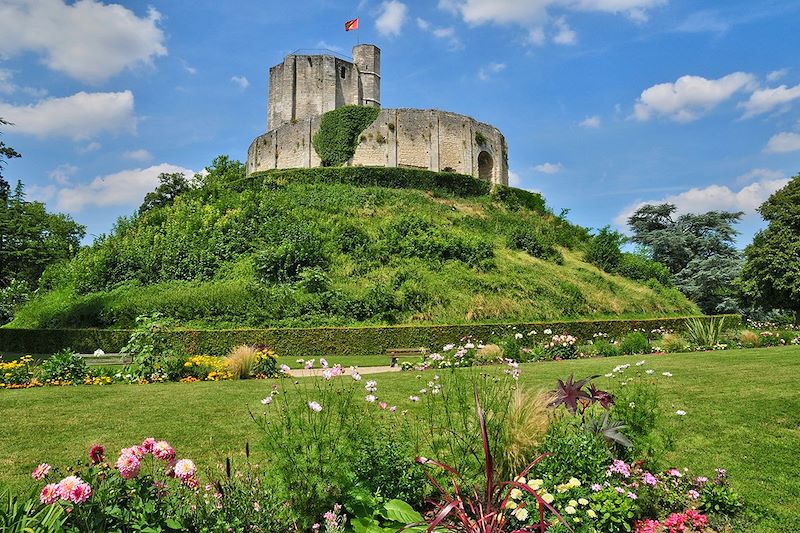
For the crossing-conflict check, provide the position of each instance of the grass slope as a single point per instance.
(339, 247)
(739, 417)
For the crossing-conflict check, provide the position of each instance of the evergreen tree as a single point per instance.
(698, 249)
(771, 273)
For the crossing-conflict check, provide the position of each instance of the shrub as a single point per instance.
(637, 406)
(561, 347)
(604, 249)
(573, 453)
(339, 129)
(749, 339)
(605, 348)
(637, 267)
(266, 363)
(64, 366)
(673, 342)
(634, 343)
(534, 243)
(152, 357)
(301, 248)
(242, 361)
(704, 333)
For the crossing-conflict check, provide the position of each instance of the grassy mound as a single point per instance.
(340, 246)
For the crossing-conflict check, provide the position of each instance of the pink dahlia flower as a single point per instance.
(40, 471)
(66, 486)
(128, 465)
(162, 450)
(97, 454)
(184, 469)
(81, 493)
(49, 494)
(147, 445)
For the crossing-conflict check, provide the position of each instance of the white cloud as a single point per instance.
(712, 198)
(241, 81)
(6, 85)
(549, 168)
(328, 46)
(532, 14)
(487, 72)
(87, 40)
(423, 24)
(62, 173)
(447, 34)
(188, 68)
(765, 100)
(138, 155)
(40, 193)
(759, 174)
(393, 16)
(783, 142)
(565, 34)
(514, 180)
(775, 75)
(80, 116)
(126, 188)
(89, 148)
(690, 97)
(704, 21)
(591, 122)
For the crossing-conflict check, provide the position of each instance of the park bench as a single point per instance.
(395, 353)
(105, 359)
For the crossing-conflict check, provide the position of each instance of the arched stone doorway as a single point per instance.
(485, 166)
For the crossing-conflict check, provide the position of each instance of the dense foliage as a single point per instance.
(30, 239)
(698, 250)
(335, 246)
(339, 130)
(771, 273)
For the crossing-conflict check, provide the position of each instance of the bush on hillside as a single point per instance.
(634, 343)
(301, 248)
(534, 243)
(637, 267)
(604, 249)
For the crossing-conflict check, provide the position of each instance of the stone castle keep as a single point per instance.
(304, 87)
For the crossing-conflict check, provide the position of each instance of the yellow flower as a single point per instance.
(583, 501)
(511, 504)
(562, 488)
(520, 480)
(516, 494)
(573, 503)
(591, 514)
(570, 509)
(577, 520)
(521, 514)
(574, 482)
(536, 484)
(548, 498)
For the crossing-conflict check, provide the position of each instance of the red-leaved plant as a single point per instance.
(466, 509)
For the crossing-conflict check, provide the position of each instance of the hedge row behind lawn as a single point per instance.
(326, 341)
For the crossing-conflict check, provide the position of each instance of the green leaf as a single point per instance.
(400, 511)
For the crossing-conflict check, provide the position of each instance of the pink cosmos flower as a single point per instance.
(327, 374)
(674, 472)
(49, 494)
(393, 408)
(184, 469)
(133, 450)
(383, 405)
(128, 465)
(309, 364)
(597, 487)
(649, 479)
(619, 467)
(323, 363)
(315, 406)
(693, 494)
(162, 450)
(40, 471)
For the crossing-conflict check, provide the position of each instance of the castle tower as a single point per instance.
(367, 58)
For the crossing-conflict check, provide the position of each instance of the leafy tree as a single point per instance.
(698, 250)
(6, 152)
(30, 239)
(171, 185)
(604, 249)
(771, 273)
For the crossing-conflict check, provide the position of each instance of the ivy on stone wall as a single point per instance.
(337, 138)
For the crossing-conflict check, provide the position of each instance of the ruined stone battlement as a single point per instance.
(303, 88)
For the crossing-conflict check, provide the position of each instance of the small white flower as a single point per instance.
(355, 374)
(518, 335)
(680, 412)
(469, 346)
(640, 363)
(610, 375)
(548, 331)
(632, 405)
(267, 400)
(650, 371)
(667, 374)
(448, 347)
(370, 398)
(414, 398)
(314, 406)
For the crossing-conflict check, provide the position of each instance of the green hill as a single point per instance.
(339, 246)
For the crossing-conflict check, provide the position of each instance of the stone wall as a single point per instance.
(429, 139)
(305, 86)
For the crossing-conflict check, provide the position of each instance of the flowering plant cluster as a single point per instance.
(205, 368)
(450, 356)
(17, 374)
(562, 347)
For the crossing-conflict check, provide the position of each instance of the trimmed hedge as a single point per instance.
(447, 183)
(315, 342)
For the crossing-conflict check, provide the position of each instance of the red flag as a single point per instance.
(351, 24)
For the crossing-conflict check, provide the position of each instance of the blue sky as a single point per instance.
(604, 103)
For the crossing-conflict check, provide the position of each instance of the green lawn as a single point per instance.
(743, 414)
